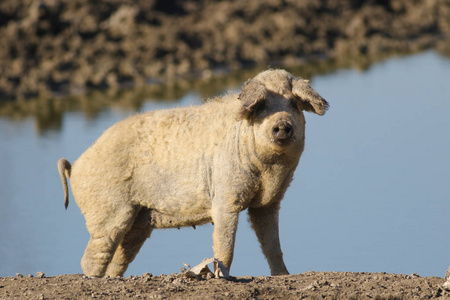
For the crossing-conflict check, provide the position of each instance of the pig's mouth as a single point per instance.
(283, 142)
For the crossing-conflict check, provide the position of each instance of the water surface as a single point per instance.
(371, 192)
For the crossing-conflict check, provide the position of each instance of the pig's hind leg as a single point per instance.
(107, 231)
(131, 244)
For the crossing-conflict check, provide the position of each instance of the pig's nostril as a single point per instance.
(288, 130)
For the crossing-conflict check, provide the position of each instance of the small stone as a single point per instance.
(30, 276)
(415, 275)
(19, 275)
(334, 285)
(447, 274)
(40, 274)
(209, 275)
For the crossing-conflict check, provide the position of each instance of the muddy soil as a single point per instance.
(310, 285)
(53, 47)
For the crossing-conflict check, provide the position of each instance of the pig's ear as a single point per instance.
(252, 94)
(310, 100)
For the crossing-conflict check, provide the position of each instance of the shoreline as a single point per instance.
(69, 47)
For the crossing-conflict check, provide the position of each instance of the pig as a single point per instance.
(190, 166)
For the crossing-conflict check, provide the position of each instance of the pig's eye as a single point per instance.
(260, 107)
(294, 104)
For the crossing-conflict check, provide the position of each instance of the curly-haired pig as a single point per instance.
(190, 166)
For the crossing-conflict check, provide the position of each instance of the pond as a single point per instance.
(371, 193)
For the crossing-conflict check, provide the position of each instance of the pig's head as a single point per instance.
(273, 103)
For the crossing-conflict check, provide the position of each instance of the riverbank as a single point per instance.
(69, 47)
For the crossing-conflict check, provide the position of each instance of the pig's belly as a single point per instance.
(184, 193)
(161, 220)
(175, 208)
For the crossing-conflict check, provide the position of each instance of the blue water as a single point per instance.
(371, 193)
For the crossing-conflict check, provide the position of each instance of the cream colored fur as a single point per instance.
(190, 166)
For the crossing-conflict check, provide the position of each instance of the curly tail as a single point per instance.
(64, 168)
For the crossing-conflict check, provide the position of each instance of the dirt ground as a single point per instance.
(310, 285)
(53, 47)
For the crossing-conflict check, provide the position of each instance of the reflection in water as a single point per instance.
(48, 111)
(370, 194)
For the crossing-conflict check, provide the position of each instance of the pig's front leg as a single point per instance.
(224, 234)
(264, 221)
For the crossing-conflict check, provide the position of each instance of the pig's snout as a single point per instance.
(282, 130)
